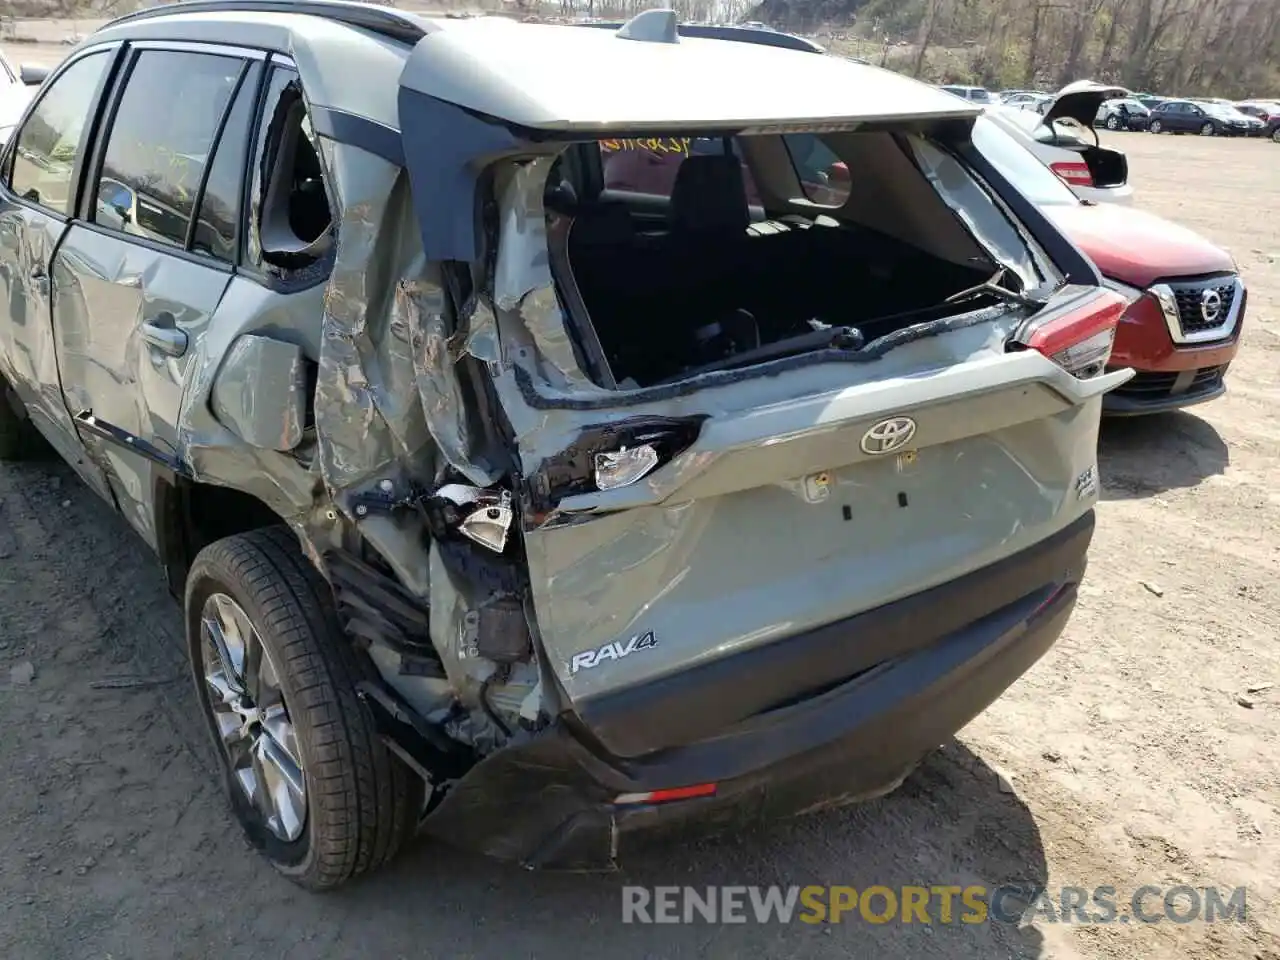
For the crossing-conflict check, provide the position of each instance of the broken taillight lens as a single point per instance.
(1076, 173)
(611, 456)
(1079, 340)
(621, 468)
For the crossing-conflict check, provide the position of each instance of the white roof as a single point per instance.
(577, 79)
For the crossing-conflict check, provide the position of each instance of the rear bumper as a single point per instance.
(548, 800)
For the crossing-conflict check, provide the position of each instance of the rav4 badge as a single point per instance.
(611, 651)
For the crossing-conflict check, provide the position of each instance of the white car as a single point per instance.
(1035, 102)
(15, 94)
(1063, 139)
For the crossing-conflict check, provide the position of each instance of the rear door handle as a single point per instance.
(164, 334)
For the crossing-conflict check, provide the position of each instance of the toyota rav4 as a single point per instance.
(515, 506)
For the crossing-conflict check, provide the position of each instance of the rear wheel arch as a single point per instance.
(190, 515)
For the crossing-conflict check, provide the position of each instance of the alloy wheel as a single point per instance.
(1113, 123)
(251, 717)
(1156, 126)
(1206, 130)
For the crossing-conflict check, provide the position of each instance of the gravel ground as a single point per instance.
(1128, 756)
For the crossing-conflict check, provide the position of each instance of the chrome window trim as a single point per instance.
(194, 46)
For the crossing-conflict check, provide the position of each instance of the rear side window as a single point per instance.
(162, 137)
(45, 151)
(823, 176)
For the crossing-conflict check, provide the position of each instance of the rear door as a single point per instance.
(43, 167)
(141, 272)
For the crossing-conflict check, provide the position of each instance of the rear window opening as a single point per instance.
(693, 254)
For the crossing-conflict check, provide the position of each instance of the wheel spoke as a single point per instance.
(223, 650)
(283, 787)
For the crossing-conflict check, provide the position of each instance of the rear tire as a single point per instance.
(1157, 127)
(1275, 135)
(1206, 130)
(325, 800)
(18, 438)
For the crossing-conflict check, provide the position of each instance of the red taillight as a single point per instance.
(672, 793)
(1080, 339)
(1073, 172)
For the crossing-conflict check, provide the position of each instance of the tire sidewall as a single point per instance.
(290, 858)
(1157, 127)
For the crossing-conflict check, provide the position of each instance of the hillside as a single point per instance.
(1179, 47)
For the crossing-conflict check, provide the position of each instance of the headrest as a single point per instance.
(709, 194)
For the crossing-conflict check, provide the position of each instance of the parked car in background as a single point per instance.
(1182, 327)
(16, 90)
(1064, 140)
(1123, 114)
(573, 580)
(1203, 118)
(1266, 111)
(976, 94)
(1149, 100)
(1035, 102)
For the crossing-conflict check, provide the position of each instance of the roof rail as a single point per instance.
(709, 31)
(384, 21)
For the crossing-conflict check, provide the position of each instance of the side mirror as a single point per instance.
(32, 75)
(117, 198)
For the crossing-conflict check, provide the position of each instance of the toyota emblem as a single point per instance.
(1211, 305)
(888, 435)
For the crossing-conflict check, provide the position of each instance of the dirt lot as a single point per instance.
(1126, 757)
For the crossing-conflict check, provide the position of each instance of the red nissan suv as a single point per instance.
(1182, 328)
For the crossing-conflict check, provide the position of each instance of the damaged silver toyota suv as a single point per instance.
(555, 435)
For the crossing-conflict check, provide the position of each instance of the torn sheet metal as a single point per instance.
(388, 397)
(367, 417)
(523, 287)
(422, 308)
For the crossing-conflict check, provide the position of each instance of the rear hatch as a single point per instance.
(1068, 123)
(737, 421)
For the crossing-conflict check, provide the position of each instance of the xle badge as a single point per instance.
(611, 651)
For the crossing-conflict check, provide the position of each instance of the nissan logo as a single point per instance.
(888, 435)
(1210, 306)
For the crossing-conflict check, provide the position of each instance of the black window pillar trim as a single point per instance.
(106, 119)
(214, 146)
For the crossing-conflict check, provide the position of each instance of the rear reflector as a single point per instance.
(664, 796)
(1073, 172)
(1080, 339)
